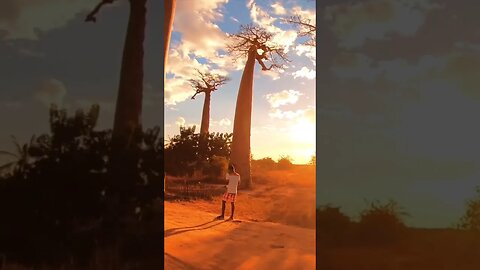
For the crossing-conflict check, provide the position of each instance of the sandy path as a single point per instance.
(194, 241)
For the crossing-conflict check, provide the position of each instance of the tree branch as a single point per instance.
(91, 17)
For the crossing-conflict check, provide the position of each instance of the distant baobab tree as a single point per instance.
(207, 83)
(255, 43)
(305, 28)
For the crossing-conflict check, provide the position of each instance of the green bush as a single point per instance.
(182, 152)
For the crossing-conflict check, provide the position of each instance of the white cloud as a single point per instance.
(225, 122)
(304, 72)
(51, 91)
(180, 121)
(278, 8)
(285, 38)
(283, 98)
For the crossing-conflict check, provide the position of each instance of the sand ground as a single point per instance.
(276, 228)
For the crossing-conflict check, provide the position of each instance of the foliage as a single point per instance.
(284, 163)
(381, 223)
(313, 161)
(216, 167)
(264, 164)
(54, 199)
(471, 219)
(182, 151)
(332, 225)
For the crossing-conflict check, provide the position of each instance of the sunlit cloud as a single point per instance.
(180, 121)
(278, 9)
(304, 72)
(51, 91)
(283, 97)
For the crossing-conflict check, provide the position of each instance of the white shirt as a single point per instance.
(233, 181)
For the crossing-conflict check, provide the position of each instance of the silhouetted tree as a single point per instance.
(471, 219)
(129, 99)
(53, 210)
(255, 43)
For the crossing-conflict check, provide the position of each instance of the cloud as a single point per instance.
(51, 91)
(308, 51)
(196, 21)
(278, 9)
(285, 38)
(304, 72)
(282, 98)
(224, 122)
(180, 121)
(375, 20)
(23, 19)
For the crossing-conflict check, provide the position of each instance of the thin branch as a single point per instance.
(91, 17)
(305, 28)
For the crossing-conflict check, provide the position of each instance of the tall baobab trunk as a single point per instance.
(206, 114)
(205, 126)
(240, 155)
(128, 109)
(170, 6)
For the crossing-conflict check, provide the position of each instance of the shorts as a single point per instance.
(229, 197)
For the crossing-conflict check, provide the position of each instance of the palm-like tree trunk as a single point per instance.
(240, 155)
(170, 6)
(129, 100)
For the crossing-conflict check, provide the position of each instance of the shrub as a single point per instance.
(264, 164)
(182, 152)
(333, 226)
(471, 219)
(381, 223)
(55, 198)
(284, 163)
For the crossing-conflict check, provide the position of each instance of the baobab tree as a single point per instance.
(255, 43)
(305, 28)
(207, 83)
(170, 6)
(130, 90)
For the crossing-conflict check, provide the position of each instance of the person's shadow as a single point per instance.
(199, 227)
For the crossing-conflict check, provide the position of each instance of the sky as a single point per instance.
(283, 114)
(398, 105)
